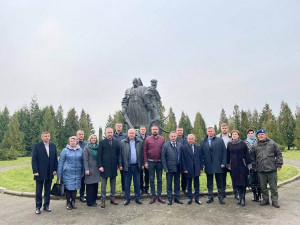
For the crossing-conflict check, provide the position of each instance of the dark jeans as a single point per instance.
(196, 187)
(91, 193)
(183, 182)
(133, 172)
(210, 184)
(146, 172)
(155, 167)
(170, 176)
(38, 192)
(82, 187)
(224, 180)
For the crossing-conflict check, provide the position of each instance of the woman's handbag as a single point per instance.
(58, 188)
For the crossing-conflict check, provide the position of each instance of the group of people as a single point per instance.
(143, 158)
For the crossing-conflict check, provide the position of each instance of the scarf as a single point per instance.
(251, 140)
(236, 141)
(73, 148)
(94, 151)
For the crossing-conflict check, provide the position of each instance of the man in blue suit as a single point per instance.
(44, 166)
(214, 156)
(191, 163)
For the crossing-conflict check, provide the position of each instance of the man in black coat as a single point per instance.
(214, 155)
(170, 158)
(82, 143)
(108, 156)
(191, 163)
(44, 166)
(144, 189)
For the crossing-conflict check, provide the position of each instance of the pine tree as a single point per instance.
(109, 122)
(236, 118)
(185, 123)
(61, 137)
(245, 125)
(286, 125)
(199, 129)
(264, 115)
(72, 124)
(84, 124)
(4, 121)
(13, 137)
(272, 127)
(297, 129)
(255, 120)
(90, 123)
(223, 118)
(100, 134)
(170, 123)
(48, 124)
(24, 121)
(35, 122)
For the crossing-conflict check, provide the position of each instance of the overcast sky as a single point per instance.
(206, 55)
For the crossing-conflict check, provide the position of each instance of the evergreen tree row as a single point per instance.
(23, 129)
(284, 129)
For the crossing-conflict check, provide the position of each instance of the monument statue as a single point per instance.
(140, 105)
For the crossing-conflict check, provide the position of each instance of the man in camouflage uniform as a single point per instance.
(267, 159)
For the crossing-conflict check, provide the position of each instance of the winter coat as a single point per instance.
(238, 159)
(266, 156)
(43, 164)
(108, 156)
(119, 136)
(214, 156)
(191, 162)
(91, 165)
(168, 156)
(125, 151)
(70, 167)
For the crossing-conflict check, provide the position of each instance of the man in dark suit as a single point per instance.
(144, 189)
(214, 156)
(44, 166)
(170, 158)
(182, 139)
(191, 162)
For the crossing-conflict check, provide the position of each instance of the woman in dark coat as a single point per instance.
(92, 173)
(239, 162)
(254, 184)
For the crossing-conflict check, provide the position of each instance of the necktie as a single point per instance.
(192, 148)
(176, 153)
(110, 142)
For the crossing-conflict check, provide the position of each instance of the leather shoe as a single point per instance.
(114, 202)
(73, 204)
(169, 202)
(189, 202)
(265, 202)
(126, 202)
(138, 201)
(221, 201)
(69, 206)
(102, 205)
(37, 211)
(47, 209)
(82, 199)
(152, 200)
(210, 200)
(178, 201)
(198, 202)
(161, 200)
(275, 204)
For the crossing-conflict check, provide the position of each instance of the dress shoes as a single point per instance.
(178, 201)
(210, 200)
(114, 202)
(69, 206)
(221, 201)
(198, 202)
(73, 204)
(47, 209)
(37, 211)
(152, 200)
(169, 202)
(138, 201)
(102, 205)
(161, 200)
(82, 199)
(189, 202)
(126, 202)
(265, 202)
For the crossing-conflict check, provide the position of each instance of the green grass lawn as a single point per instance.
(291, 154)
(18, 161)
(21, 179)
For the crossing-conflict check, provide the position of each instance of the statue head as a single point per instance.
(153, 83)
(135, 82)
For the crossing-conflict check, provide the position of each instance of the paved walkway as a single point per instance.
(5, 168)
(20, 210)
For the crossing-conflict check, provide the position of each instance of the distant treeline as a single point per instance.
(19, 132)
(284, 128)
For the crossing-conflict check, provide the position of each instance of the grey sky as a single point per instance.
(206, 55)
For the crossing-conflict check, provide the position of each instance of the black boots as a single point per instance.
(242, 193)
(236, 194)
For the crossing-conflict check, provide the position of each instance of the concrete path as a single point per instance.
(20, 210)
(5, 168)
